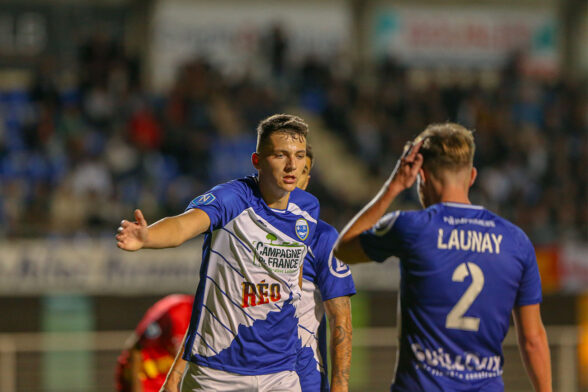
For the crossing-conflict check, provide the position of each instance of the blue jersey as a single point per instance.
(463, 269)
(324, 278)
(244, 318)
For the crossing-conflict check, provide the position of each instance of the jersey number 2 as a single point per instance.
(456, 319)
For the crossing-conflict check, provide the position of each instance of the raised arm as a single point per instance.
(533, 346)
(339, 315)
(165, 233)
(348, 248)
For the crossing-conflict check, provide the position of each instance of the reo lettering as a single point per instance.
(248, 294)
(260, 293)
(262, 290)
(275, 292)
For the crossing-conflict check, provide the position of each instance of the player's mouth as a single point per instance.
(289, 179)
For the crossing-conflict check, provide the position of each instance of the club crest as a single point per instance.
(302, 228)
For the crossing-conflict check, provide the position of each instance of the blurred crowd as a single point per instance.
(79, 159)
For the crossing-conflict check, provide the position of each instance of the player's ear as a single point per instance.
(422, 176)
(473, 175)
(255, 160)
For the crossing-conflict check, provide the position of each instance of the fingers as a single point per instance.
(412, 151)
(128, 234)
(406, 149)
(416, 164)
(139, 218)
(122, 231)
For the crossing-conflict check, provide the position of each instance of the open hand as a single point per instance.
(132, 235)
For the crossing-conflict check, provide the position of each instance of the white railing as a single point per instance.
(13, 344)
(563, 341)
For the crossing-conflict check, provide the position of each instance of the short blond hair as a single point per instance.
(446, 147)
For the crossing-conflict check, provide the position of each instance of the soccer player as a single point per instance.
(243, 330)
(144, 364)
(326, 287)
(464, 270)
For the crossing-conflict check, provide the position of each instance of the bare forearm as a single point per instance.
(165, 233)
(175, 230)
(371, 213)
(339, 314)
(348, 249)
(533, 346)
(537, 360)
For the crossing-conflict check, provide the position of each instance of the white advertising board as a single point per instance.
(465, 36)
(96, 267)
(231, 34)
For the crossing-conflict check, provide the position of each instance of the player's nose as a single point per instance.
(290, 164)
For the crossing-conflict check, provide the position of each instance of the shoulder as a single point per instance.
(303, 199)
(518, 236)
(324, 239)
(242, 187)
(304, 205)
(325, 233)
(228, 192)
(404, 220)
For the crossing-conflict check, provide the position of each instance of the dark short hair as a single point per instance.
(287, 123)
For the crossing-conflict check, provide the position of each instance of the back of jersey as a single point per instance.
(463, 269)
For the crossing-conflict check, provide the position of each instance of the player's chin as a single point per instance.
(288, 186)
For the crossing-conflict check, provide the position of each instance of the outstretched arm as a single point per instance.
(533, 346)
(165, 233)
(339, 315)
(348, 248)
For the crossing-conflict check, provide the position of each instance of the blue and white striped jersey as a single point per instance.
(244, 318)
(323, 278)
(463, 269)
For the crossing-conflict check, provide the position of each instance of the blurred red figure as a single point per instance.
(144, 363)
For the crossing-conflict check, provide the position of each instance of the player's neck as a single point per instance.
(278, 204)
(453, 196)
(274, 198)
(448, 190)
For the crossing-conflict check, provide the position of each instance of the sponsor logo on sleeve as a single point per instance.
(385, 224)
(302, 229)
(204, 200)
(338, 268)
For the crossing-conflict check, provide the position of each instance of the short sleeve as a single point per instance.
(333, 276)
(222, 203)
(384, 239)
(529, 292)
